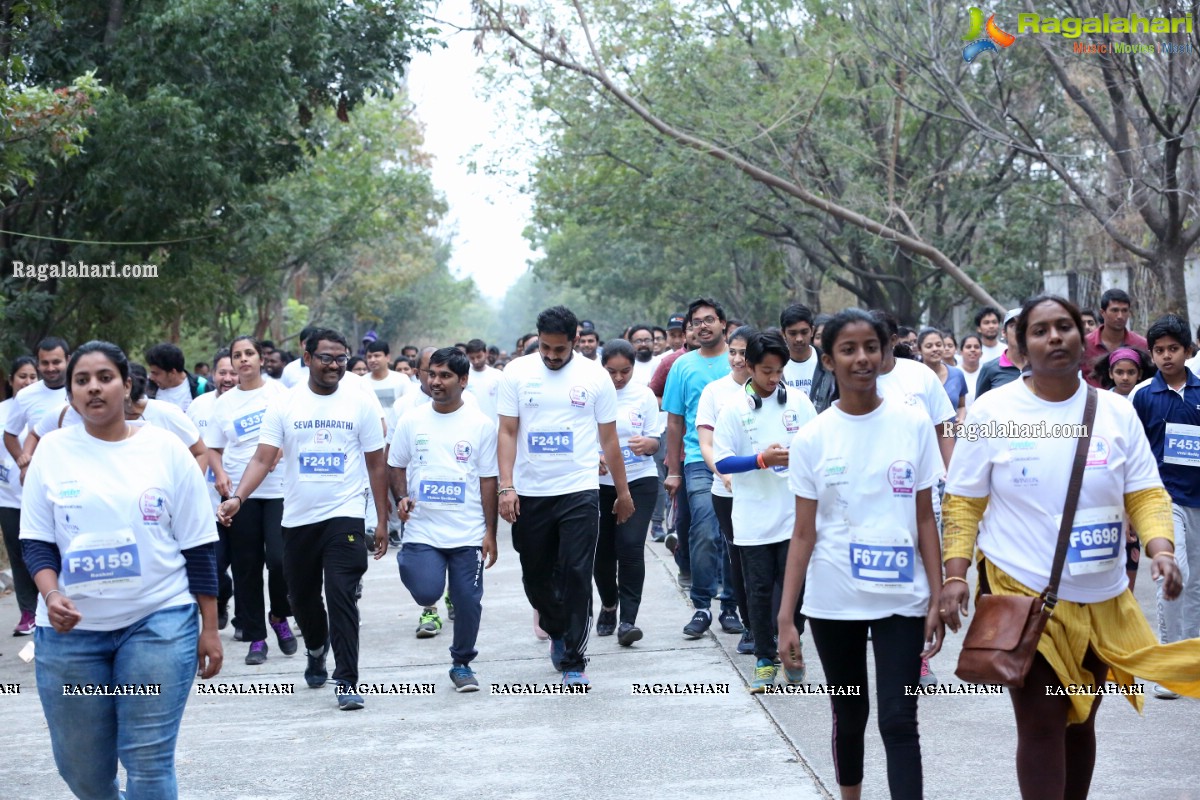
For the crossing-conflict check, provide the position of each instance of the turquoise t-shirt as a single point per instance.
(686, 380)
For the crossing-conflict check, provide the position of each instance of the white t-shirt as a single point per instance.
(199, 413)
(158, 413)
(388, 391)
(234, 428)
(179, 396)
(972, 379)
(484, 385)
(324, 439)
(643, 371)
(31, 403)
(558, 412)
(1026, 480)
(914, 384)
(637, 415)
(121, 513)
(417, 398)
(10, 474)
(991, 352)
(1193, 364)
(444, 456)
(798, 375)
(763, 508)
(712, 400)
(865, 472)
(294, 372)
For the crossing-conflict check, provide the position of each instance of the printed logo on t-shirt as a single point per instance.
(903, 478)
(1023, 477)
(422, 441)
(322, 436)
(462, 451)
(1098, 449)
(153, 505)
(791, 421)
(911, 399)
(636, 419)
(578, 396)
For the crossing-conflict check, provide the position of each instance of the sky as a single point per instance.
(487, 213)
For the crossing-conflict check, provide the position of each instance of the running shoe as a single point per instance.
(927, 676)
(701, 622)
(1163, 693)
(730, 622)
(558, 649)
(257, 654)
(284, 636)
(237, 632)
(222, 617)
(430, 624)
(606, 622)
(449, 606)
(628, 633)
(657, 532)
(315, 674)
(26, 625)
(463, 678)
(573, 678)
(745, 645)
(393, 539)
(764, 675)
(671, 541)
(347, 698)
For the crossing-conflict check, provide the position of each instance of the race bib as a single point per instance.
(95, 562)
(327, 466)
(551, 443)
(630, 458)
(249, 423)
(882, 562)
(3, 474)
(1097, 538)
(1182, 444)
(442, 492)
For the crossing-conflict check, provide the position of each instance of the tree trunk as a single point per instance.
(1169, 267)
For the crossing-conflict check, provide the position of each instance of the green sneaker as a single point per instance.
(764, 675)
(449, 606)
(430, 624)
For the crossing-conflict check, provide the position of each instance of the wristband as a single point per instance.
(505, 491)
(240, 500)
(675, 476)
(954, 578)
(1169, 553)
(46, 597)
(762, 464)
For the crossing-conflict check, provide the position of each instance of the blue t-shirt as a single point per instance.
(1172, 425)
(687, 379)
(955, 385)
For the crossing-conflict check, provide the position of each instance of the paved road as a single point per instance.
(609, 743)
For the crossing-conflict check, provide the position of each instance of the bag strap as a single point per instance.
(1050, 596)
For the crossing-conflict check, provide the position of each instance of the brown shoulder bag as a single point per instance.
(1003, 636)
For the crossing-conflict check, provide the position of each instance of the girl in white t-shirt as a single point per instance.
(256, 534)
(971, 350)
(118, 534)
(23, 373)
(620, 566)
(865, 553)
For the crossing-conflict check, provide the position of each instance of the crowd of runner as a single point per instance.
(821, 477)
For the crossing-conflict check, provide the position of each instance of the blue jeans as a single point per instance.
(709, 560)
(89, 733)
(424, 569)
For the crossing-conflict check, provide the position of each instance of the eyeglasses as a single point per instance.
(709, 320)
(327, 359)
(643, 340)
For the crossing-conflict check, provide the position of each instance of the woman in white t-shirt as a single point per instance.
(865, 553)
(712, 400)
(971, 349)
(620, 566)
(1006, 496)
(118, 534)
(23, 373)
(256, 534)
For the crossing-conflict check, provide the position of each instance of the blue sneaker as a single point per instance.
(764, 675)
(463, 678)
(558, 649)
(745, 645)
(573, 678)
(315, 673)
(347, 698)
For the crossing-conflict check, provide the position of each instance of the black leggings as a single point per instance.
(723, 508)
(27, 593)
(620, 568)
(842, 647)
(764, 565)
(255, 541)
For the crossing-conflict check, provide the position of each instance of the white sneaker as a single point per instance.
(1163, 693)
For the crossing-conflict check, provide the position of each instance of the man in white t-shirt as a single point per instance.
(484, 381)
(556, 412)
(388, 385)
(332, 443)
(641, 336)
(910, 383)
(987, 325)
(804, 371)
(171, 382)
(33, 401)
(442, 470)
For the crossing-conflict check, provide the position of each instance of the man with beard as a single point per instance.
(642, 338)
(273, 364)
(36, 399)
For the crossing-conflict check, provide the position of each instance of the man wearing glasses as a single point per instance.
(332, 443)
(681, 396)
(642, 339)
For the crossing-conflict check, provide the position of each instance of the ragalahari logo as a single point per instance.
(984, 37)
